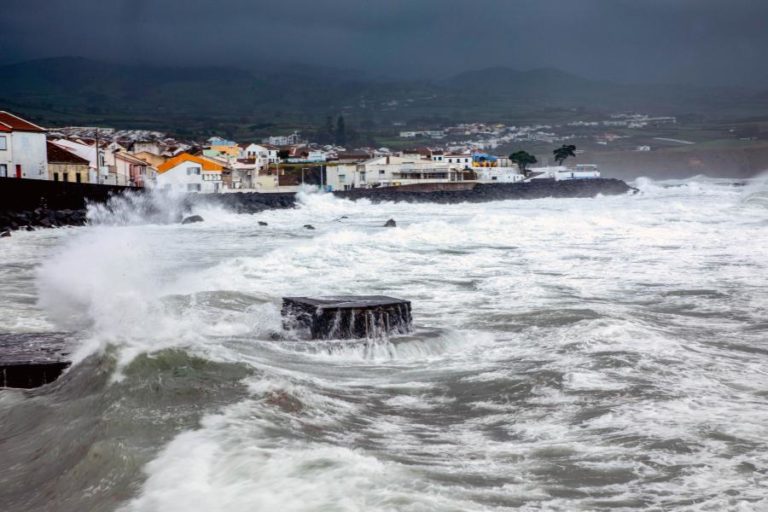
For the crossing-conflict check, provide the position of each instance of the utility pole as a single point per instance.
(98, 162)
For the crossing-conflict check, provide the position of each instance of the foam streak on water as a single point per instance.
(590, 354)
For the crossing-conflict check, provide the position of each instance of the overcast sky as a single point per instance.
(705, 41)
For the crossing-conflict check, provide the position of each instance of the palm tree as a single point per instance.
(564, 152)
(523, 159)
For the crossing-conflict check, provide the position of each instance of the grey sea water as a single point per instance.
(586, 354)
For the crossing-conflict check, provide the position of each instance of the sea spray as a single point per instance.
(613, 344)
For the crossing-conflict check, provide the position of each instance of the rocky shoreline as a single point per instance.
(40, 218)
(247, 202)
(44, 216)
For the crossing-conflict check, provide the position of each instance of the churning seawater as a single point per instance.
(585, 354)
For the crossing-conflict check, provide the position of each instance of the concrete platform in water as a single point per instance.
(31, 360)
(347, 317)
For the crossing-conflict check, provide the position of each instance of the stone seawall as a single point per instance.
(29, 204)
(537, 189)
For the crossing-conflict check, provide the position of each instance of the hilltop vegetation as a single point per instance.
(246, 103)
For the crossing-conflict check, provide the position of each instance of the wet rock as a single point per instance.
(192, 219)
(346, 317)
(29, 228)
(390, 224)
(31, 360)
(5, 234)
(309, 226)
(262, 223)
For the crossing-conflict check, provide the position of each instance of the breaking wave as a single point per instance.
(584, 354)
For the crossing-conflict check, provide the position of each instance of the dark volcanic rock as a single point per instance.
(262, 223)
(309, 226)
(482, 192)
(192, 219)
(5, 234)
(537, 189)
(347, 317)
(52, 204)
(390, 224)
(31, 360)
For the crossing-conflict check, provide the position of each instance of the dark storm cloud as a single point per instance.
(710, 41)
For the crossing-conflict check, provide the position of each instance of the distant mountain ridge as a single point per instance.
(78, 90)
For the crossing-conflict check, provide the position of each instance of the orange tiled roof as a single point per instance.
(206, 164)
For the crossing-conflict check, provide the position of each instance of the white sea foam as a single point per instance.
(614, 344)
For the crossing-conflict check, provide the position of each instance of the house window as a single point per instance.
(193, 171)
(79, 177)
(342, 178)
(65, 176)
(3, 142)
(382, 173)
(193, 187)
(55, 176)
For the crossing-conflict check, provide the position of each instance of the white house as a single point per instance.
(98, 172)
(262, 155)
(283, 140)
(454, 160)
(498, 174)
(23, 151)
(390, 171)
(189, 173)
(149, 146)
(561, 173)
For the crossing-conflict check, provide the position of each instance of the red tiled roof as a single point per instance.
(11, 123)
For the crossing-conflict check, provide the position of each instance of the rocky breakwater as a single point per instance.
(482, 192)
(253, 202)
(40, 217)
(30, 204)
(244, 202)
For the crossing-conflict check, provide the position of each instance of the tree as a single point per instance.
(341, 132)
(564, 152)
(523, 159)
(327, 135)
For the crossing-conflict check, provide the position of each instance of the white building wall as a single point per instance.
(7, 169)
(498, 174)
(189, 177)
(28, 150)
(560, 173)
(574, 174)
(340, 177)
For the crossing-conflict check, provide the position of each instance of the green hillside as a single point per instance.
(244, 103)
